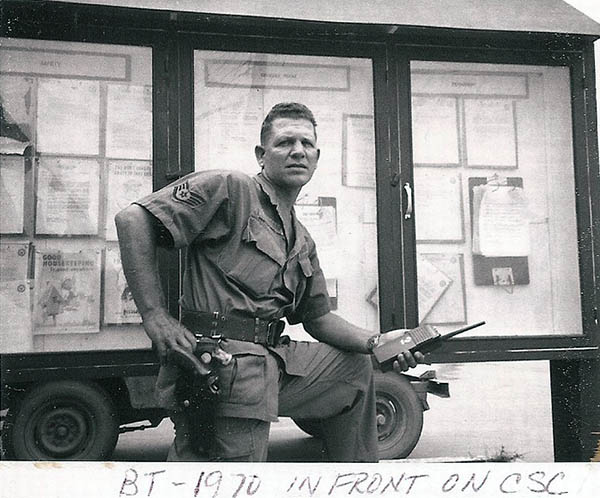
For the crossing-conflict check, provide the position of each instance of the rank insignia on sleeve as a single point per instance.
(183, 193)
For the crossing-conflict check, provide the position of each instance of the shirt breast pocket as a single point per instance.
(258, 260)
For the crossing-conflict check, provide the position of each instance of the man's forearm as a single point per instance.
(334, 330)
(138, 242)
(138, 246)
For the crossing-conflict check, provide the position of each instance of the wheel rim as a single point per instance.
(61, 431)
(390, 417)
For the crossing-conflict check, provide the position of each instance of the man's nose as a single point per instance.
(298, 148)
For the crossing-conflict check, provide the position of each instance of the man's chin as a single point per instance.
(292, 179)
(297, 177)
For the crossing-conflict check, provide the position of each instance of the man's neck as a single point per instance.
(286, 200)
(286, 197)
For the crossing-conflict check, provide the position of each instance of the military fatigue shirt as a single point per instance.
(239, 262)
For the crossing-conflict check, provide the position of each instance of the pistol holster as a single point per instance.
(196, 392)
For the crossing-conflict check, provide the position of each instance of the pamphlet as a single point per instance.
(68, 194)
(119, 306)
(13, 261)
(127, 182)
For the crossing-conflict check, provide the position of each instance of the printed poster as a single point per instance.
(227, 129)
(68, 192)
(16, 104)
(321, 223)
(358, 162)
(435, 130)
(12, 193)
(129, 122)
(432, 283)
(119, 306)
(68, 116)
(450, 307)
(13, 261)
(438, 205)
(15, 326)
(491, 133)
(16, 111)
(127, 182)
(501, 221)
(67, 292)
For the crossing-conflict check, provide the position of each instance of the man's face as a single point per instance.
(290, 155)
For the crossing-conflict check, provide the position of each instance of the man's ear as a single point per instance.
(259, 152)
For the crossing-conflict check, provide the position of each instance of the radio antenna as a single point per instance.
(460, 331)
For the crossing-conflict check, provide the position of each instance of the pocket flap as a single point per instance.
(258, 232)
(243, 347)
(306, 266)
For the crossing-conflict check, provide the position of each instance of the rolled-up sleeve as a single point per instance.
(187, 206)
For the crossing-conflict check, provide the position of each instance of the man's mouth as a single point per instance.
(296, 165)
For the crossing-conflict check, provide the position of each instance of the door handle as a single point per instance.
(409, 201)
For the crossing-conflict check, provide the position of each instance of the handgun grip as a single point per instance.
(188, 362)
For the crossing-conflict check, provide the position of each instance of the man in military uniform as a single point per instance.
(250, 263)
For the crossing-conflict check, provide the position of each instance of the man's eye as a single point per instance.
(308, 143)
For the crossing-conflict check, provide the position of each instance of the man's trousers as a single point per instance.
(310, 380)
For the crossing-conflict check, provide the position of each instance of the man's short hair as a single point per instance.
(286, 110)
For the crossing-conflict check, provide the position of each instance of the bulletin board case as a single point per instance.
(395, 56)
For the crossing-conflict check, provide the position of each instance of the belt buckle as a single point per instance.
(274, 330)
(216, 322)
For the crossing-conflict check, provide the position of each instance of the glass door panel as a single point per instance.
(76, 147)
(234, 91)
(495, 218)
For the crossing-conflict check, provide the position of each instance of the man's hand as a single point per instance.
(408, 360)
(166, 332)
(405, 360)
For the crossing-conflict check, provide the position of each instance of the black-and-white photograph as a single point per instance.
(304, 249)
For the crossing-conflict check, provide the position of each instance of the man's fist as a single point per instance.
(408, 360)
(166, 333)
(405, 360)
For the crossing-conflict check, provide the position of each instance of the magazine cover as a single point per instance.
(67, 292)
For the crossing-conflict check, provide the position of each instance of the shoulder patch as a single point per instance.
(183, 193)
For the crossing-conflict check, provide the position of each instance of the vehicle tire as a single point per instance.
(399, 416)
(62, 420)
